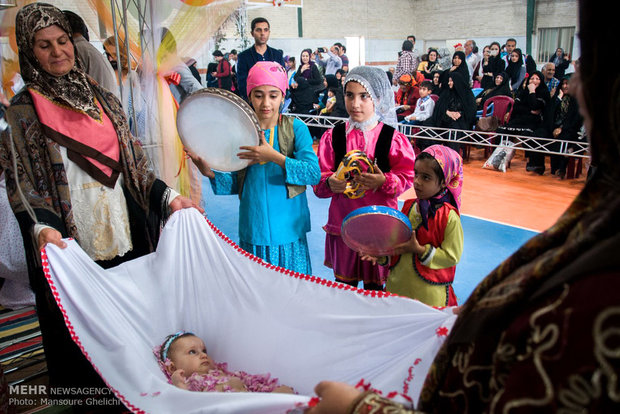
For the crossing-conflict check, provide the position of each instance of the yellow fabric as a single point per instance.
(403, 279)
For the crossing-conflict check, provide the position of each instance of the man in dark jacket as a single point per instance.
(260, 51)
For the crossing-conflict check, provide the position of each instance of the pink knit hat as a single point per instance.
(267, 73)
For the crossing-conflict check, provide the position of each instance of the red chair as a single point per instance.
(502, 109)
(434, 97)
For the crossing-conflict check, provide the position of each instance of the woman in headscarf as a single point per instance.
(407, 96)
(492, 66)
(456, 108)
(561, 61)
(431, 65)
(436, 79)
(526, 119)
(540, 333)
(74, 170)
(370, 128)
(501, 88)
(563, 123)
(516, 69)
(304, 84)
(459, 65)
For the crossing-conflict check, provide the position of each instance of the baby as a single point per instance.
(183, 357)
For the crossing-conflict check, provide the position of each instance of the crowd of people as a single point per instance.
(461, 83)
(94, 184)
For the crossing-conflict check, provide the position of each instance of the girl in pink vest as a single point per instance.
(425, 265)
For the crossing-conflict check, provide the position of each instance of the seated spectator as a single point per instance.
(563, 122)
(304, 84)
(492, 66)
(501, 88)
(424, 106)
(436, 81)
(407, 61)
(548, 71)
(527, 116)
(432, 64)
(456, 108)
(406, 97)
(516, 69)
(561, 61)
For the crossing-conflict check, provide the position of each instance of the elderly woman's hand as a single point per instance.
(50, 235)
(180, 202)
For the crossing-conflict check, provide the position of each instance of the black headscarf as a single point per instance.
(460, 91)
(503, 89)
(514, 68)
(462, 69)
(436, 88)
(542, 92)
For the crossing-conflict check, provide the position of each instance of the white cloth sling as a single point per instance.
(256, 317)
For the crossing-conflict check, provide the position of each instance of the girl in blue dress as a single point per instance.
(273, 212)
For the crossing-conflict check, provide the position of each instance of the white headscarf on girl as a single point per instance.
(376, 83)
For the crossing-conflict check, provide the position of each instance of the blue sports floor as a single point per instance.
(487, 243)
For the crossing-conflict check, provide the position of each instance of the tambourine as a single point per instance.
(375, 230)
(353, 164)
(213, 123)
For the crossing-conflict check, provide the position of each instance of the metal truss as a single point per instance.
(546, 146)
(120, 24)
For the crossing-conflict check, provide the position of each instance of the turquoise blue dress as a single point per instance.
(271, 225)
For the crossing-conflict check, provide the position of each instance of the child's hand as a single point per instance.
(261, 153)
(178, 379)
(336, 185)
(201, 164)
(236, 384)
(410, 246)
(369, 258)
(371, 181)
(284, 389)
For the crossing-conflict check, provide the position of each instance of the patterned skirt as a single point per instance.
(293, 256)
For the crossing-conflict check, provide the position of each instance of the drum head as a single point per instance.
(213, 123)
(375, 230)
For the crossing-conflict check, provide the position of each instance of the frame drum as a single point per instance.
(375, 230)
(213, 123)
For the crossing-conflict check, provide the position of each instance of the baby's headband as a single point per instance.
(166, 345)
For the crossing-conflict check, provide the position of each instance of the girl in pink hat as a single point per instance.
(273, 212)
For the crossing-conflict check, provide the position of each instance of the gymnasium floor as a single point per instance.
(499, 212)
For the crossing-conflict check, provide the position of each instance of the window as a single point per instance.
(552, 38)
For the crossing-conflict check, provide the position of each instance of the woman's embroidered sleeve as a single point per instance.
(370, 402)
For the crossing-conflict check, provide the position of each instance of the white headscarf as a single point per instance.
(376, 83)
